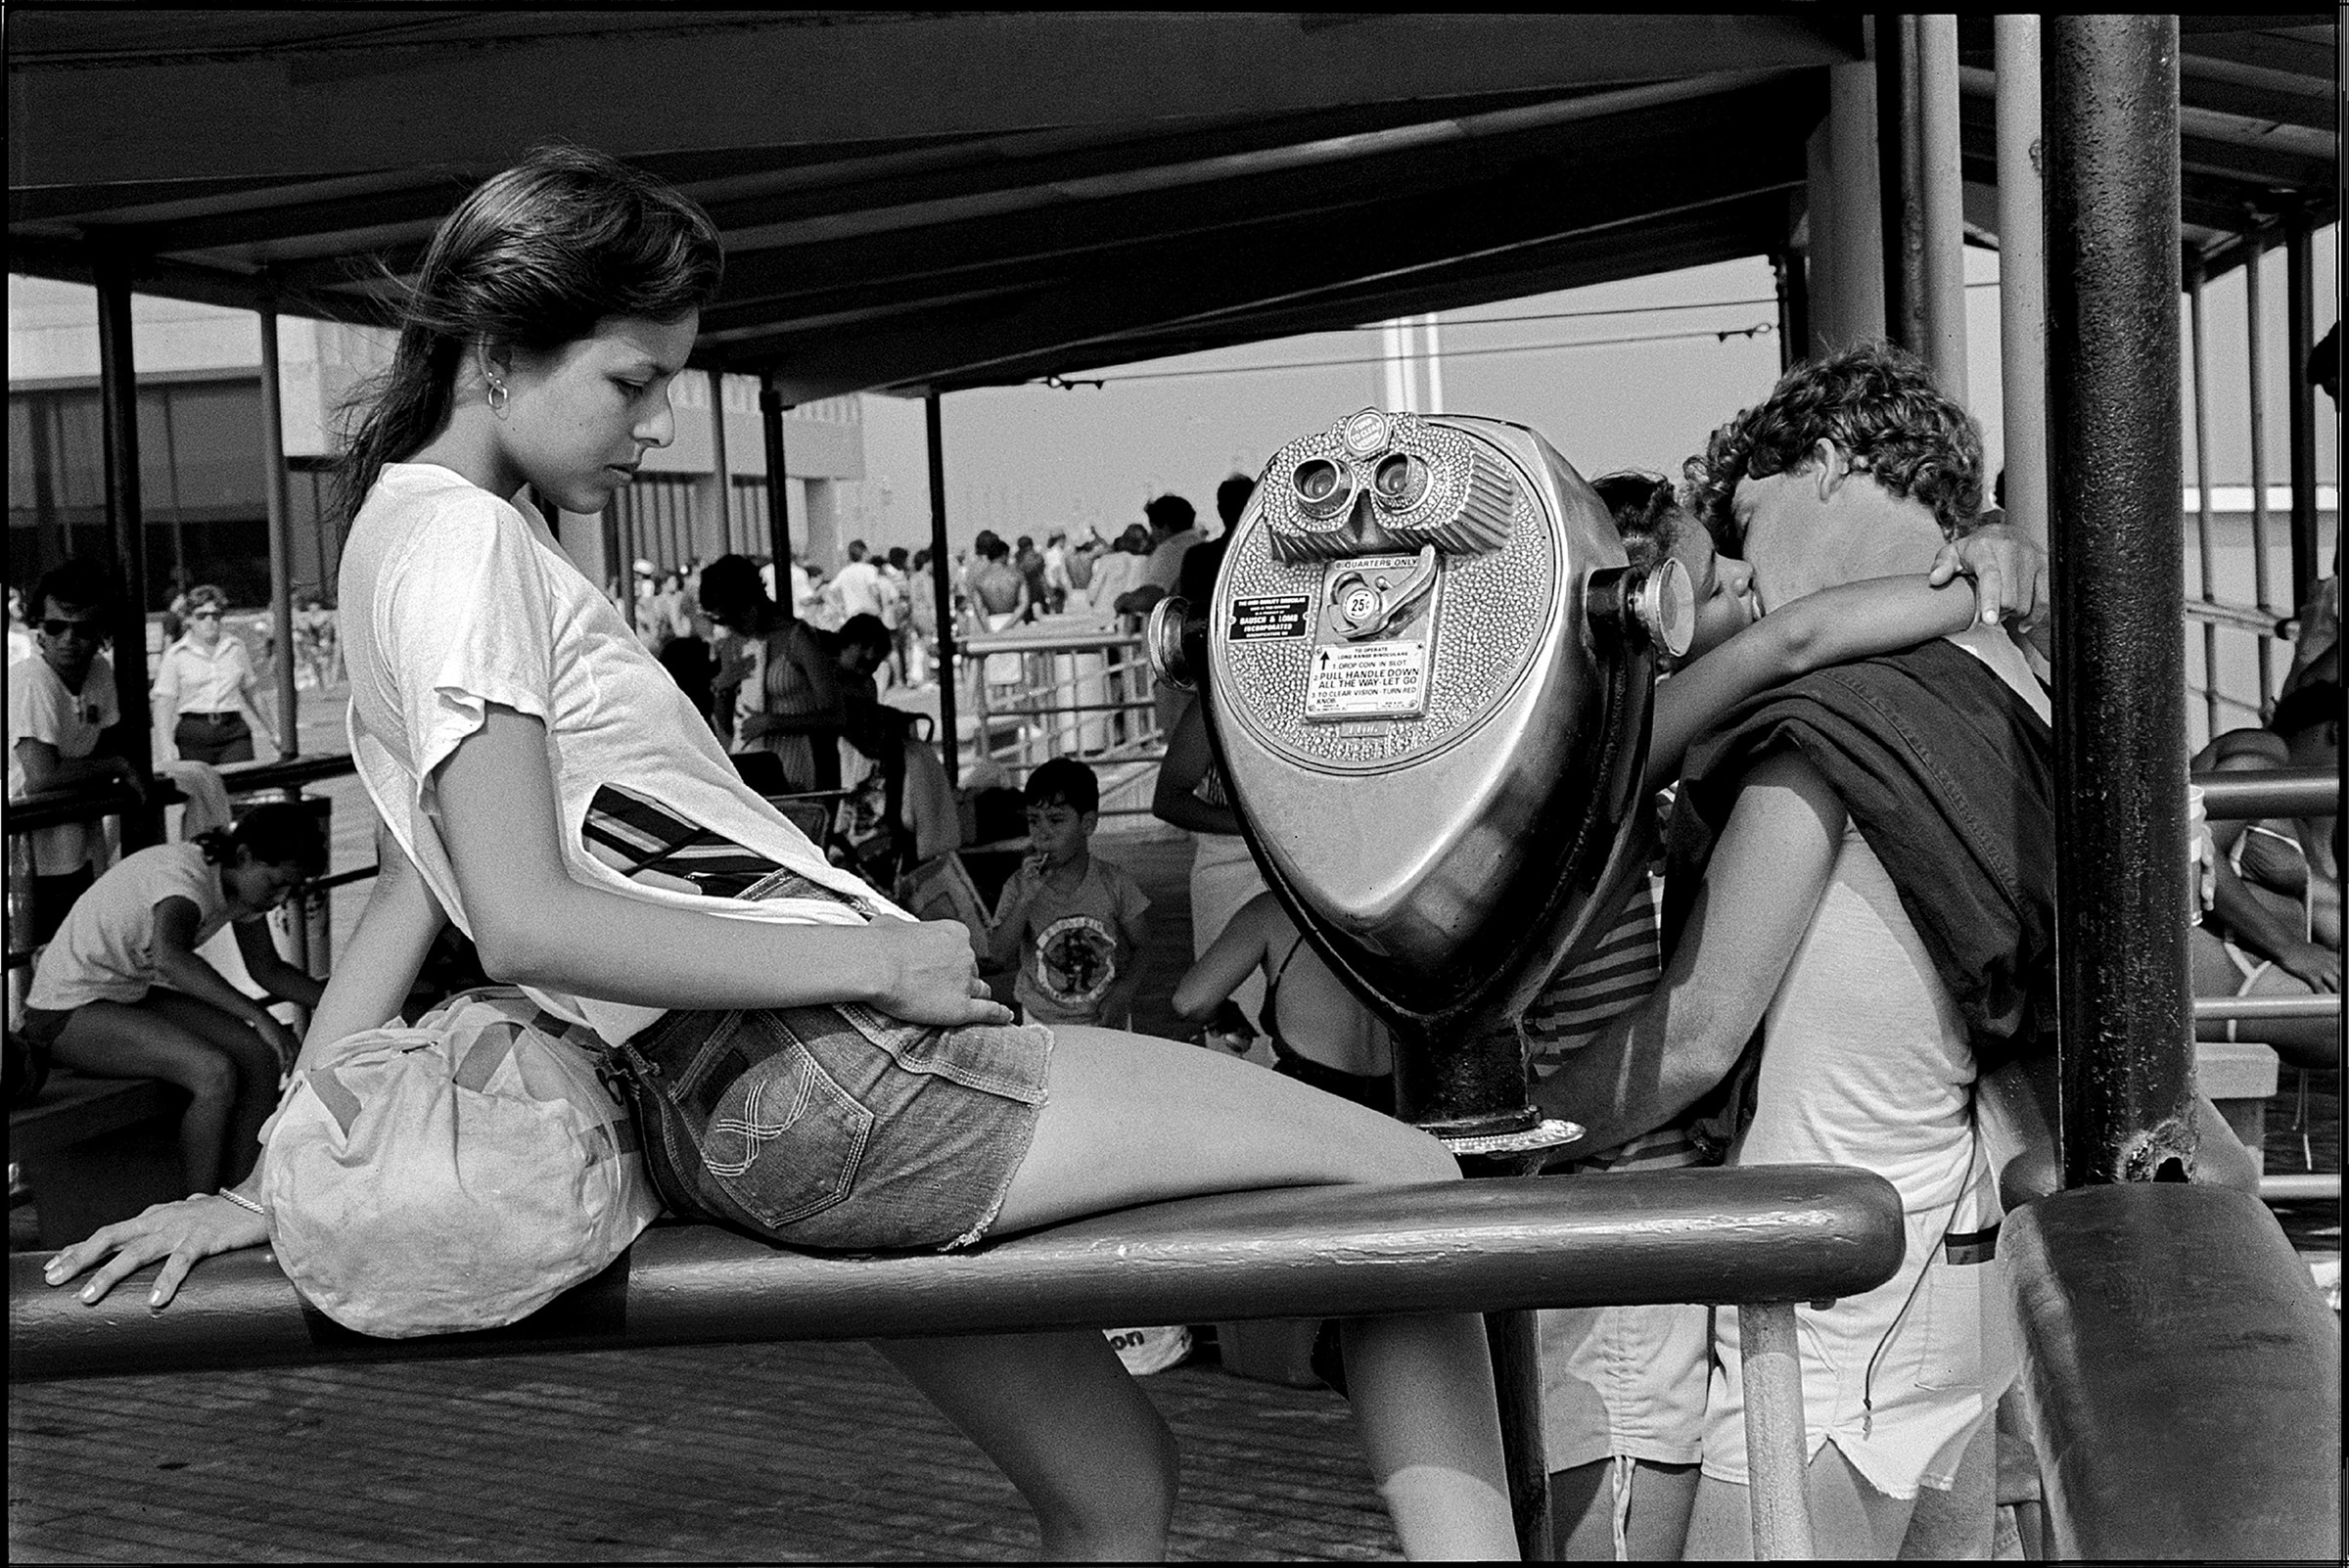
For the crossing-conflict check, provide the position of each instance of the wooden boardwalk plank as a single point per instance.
(793, 1452)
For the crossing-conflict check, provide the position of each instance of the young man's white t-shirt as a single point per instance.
(454, 599)
(858, 585)
(41, 708)
(104, 951)
(1867, 1062)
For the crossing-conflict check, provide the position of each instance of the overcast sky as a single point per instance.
(1027, 459)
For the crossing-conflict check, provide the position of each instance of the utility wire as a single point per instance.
(1070, 383)
(1449, 323)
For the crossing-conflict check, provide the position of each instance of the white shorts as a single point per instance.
(1901, 1396)
(1624, 1382)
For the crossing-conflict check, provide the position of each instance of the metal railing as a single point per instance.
(2237, 796)
(1066, 687)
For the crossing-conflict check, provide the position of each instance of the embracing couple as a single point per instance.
(1858, 922)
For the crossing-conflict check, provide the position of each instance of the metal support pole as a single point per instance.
(118, 397)
(2256, 367)
(2198, 361)
(1777, 1446)
(1514, 1340)
(1858, 309)
(2300, 317)
(778, 505)
(1941, 204)
(723, 474)
(2110, 90)
(1900, 157)
(2022, 276)
(950, 736)
(1794, 307)
(281, 534)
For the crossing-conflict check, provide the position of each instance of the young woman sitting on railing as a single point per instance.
(532, 759)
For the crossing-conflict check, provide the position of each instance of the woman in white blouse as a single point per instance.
(205, 692)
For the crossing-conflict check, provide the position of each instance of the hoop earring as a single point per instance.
(496, 398)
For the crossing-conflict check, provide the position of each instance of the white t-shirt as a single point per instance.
(104, 951)
(41, 708)
(454, 599)
(859, 586)
(1866, 1062)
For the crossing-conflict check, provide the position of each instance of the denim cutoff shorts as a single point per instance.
(838, 1126)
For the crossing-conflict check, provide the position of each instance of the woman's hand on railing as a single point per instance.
(182, 1234)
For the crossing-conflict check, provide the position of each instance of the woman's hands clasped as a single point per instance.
(929, 975)
(182, 1234)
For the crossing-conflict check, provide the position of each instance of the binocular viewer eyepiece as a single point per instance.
(1427, 668)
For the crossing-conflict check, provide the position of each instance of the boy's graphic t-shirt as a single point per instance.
(1069, 950)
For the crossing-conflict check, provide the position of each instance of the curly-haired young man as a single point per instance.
(1860, 870)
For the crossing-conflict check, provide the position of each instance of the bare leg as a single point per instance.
(257, 1072)
(129, 1039)
(1135, 1121)
(1850, 1520)
(1582, 1503)
(1062, 1420)
(2305, 1042)
(1958, 1525)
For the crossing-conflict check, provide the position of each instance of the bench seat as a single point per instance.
(1782, 1233)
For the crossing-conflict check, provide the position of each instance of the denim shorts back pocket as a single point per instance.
(784, 1139)
(753, 1129)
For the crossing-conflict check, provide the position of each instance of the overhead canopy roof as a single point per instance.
(942, 201)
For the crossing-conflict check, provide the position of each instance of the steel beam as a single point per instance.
(720, 469)
(2022, 276)
(2300, 316)
(1900, 157)
(778, 504)
(281, 535)
(941, 566)
(2255, 354)
(2110, 91)
(1848, 288)
(119, 400)
(1940, 202)
(2199, 368)
(1794, 306)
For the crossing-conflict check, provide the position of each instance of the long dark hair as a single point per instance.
(1646, 512)
(533, 259)
(276, 834)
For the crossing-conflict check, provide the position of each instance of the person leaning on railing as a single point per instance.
(63, 731)
(2274, 925)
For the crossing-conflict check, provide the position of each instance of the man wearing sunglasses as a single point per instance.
(61, 710)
